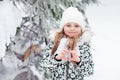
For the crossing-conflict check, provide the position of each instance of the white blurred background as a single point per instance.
(104, 20)
(10, 18)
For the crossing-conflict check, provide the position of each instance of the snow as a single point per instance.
(104, 20)
(10, 18)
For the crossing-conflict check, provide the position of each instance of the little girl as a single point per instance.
(68, 57)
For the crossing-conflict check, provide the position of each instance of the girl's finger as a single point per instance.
(71, 59)
(63, 53)
(66, 51)
(72, 51)
(65, 59)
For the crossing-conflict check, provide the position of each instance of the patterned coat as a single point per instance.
(62, 70)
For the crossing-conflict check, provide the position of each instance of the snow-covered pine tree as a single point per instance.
(38, 18)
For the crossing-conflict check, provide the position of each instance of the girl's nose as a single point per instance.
(72, 28)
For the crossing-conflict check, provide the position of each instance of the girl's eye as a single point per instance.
(68, 25)
(77, 26)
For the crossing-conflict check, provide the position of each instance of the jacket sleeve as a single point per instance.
(45, 64)
(86, 65)
(48, 62)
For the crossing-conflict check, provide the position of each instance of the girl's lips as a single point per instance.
(72, 32)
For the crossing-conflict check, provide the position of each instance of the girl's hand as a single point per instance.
(75, 57)
(62, 55)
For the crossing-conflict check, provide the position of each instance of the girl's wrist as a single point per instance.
(57, 57)
(77, 60)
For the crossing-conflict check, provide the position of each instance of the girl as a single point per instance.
(68, 57)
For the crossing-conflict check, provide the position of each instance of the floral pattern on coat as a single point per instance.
(62, 70)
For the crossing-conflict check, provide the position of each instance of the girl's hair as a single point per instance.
(72, 42)
(58, 37)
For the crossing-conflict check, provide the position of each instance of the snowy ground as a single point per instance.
(104, 20)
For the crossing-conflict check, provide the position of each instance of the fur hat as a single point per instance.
(72, 14)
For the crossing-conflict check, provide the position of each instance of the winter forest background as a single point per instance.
(24, 30)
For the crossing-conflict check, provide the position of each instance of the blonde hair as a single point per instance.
(72, 42)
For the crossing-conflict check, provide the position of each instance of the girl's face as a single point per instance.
(72, 29)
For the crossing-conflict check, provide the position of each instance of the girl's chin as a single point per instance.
(71, 35)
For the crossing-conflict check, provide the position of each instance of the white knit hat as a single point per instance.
(72, 14)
